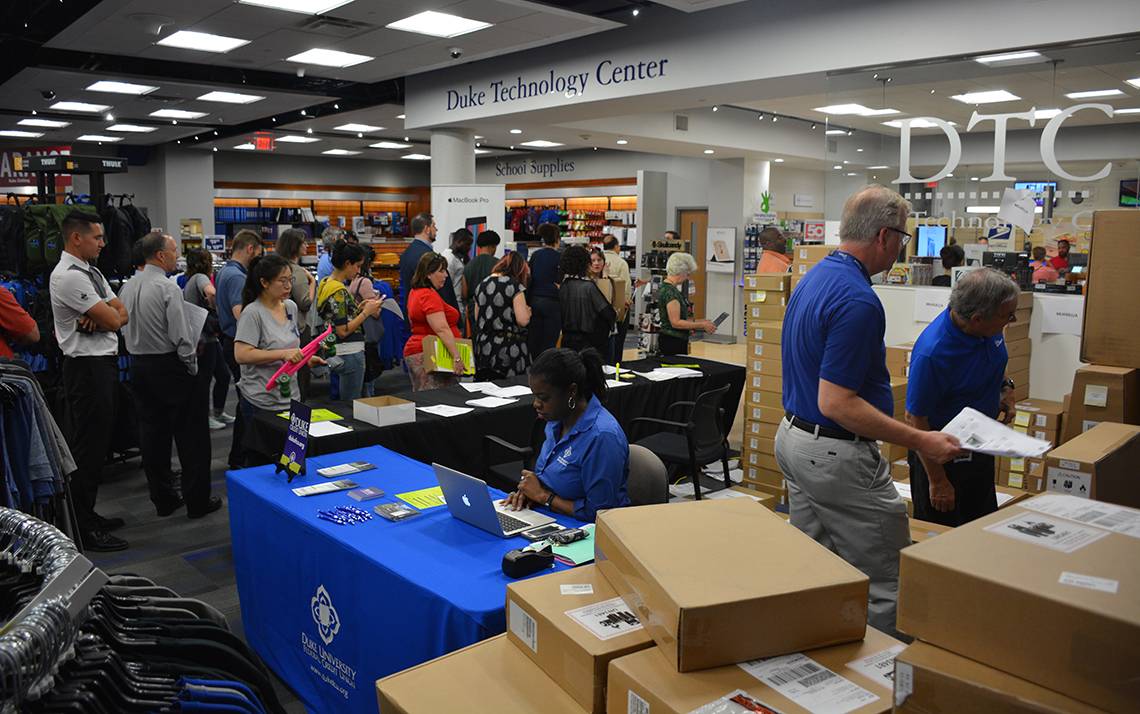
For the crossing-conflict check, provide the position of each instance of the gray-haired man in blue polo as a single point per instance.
(837, 399)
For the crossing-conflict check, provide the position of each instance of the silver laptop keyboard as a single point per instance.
(510, 523)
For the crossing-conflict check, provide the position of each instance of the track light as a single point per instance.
(716, 108)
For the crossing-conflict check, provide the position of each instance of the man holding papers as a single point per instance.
(959, 361)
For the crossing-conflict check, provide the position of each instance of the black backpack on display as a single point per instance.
(118, 236)
(138, 218)
(12, 257)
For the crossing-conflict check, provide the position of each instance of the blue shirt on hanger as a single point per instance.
(589, 464)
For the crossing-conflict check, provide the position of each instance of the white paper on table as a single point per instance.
(657, 376)
(1003, 498)
(609, 369)
(615, 383)
(977, 432)
(490, 402)
(681, 372)
(518, 390)
(445, 410)
(478, 386)
(327, 428)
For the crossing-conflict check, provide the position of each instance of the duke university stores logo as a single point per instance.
(325, 615)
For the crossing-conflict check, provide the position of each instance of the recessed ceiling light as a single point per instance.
(835, 132)
(340, 152)
(973, 178)
(837, 166)
(202, 41)
(121, 88)
(1046, 113)
(778, 161)
(1135, 110)
(131, 128)
(622, 142)
(46, 123)
(857, 109)
(850, 173)
(296, 139)
(878, 167)
(390, 145)
(416, 157)
(919, 123)
(1095, 93)
(79, 107)
(982, 209)
(177, 114)
(400, 116)
(245, 147)
(438, 24)
(482, 151)
(516, 131)
(987, 97)
(330, 58)
(860, 150)
(358, 127)
(710, 151)
(98, 137)
(21, 134)
(1009, 57)
(541, 144)
(477, 137)
(230, 98)
(308, 7)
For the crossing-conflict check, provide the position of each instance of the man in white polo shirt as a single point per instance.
(87, 316)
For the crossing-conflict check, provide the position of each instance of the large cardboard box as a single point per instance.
(1102, 394)
(768, 415)
(764, 461)
(898, 389)
(769, 331)
(925, 530)
(813, 253)
(1039, 414)
(801, 269)
(1101, 463)
(772, 497)
(768, 365)
(930, 679)
(1019, 348)
(772, 282)
(762, 444)
(769, 590)
(571, 624)
(489, 677)
(1017, 364)
(761, 475)
(767, 311)
(1025, 300)
(853, 677)
(1042, 590)
(759, 298)
(766, 383)
(1112, 293)
(759, 398)
(759, 428)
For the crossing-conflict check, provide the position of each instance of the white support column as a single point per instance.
(452, 156)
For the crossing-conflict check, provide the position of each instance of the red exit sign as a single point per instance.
(263, 141)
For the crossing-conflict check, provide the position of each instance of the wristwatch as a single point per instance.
(550, 500)
(1008, 384)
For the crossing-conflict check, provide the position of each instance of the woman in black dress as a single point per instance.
(501, 318)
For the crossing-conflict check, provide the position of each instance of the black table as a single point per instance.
(457, 442)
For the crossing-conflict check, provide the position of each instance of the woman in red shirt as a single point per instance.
(430, 315)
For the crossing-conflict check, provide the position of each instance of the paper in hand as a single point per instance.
(977, 432)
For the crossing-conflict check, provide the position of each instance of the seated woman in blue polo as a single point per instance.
(584, 462)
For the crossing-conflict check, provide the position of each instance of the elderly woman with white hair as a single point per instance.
(675, 310)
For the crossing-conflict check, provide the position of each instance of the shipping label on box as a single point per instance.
(813, 253)
(764, 414)
(756, 298)
(754, 475)
(769, 365)
(802, 269)
(772, 282)
(766, 383)
(767, 311)
(762, 444)
(767, 331)
(757, 398)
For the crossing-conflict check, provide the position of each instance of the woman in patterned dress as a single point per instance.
(501, 317)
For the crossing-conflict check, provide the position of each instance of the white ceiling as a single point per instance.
(126, 27)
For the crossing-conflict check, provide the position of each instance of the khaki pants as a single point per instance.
(842, 495)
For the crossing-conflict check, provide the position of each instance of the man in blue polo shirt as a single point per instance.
(959, 361)
(229, 283)
(837, 399)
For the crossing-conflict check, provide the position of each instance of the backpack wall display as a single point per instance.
(43, 234)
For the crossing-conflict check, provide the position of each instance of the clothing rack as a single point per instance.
(85, 641)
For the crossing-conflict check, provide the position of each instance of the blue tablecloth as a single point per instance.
(333, 608)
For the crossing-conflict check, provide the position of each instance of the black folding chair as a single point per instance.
(694, 443)
(506, 475)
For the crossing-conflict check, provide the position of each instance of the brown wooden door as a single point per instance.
(693, 226)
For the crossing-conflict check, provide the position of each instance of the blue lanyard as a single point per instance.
(848, 256)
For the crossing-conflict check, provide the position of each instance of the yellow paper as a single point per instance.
(1022, 419)
(318, 415)
(1016, 481)
(444, 361)
(424, 498)
(1017, 465)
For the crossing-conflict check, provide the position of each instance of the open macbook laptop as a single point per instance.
(470, 501)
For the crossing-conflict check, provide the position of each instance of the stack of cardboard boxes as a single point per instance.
(657, 626)
(1098, 464)
(1024, 610)
(806, 257)
(1101, 393)
(766, 297)
(1040, 419)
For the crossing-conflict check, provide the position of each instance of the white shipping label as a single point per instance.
(904, 682)
(809, 684)
(635, 704)
(1090, 582)
(1041, 420)
(523, 626)
(1096, 395)
(583, 589)
(879, 667)
(1118, 519)
(1047, 532)
(606, 619)
(738, 702)
(1088, 424)
(1074, 465)
(1075, 483)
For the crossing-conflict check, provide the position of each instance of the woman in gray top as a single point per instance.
(267, 336)
(290, 246)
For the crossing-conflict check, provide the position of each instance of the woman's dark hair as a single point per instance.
(266, 268)
(290, 244)
(598, 252)
(461, 241)
(198, 261)
(369, 256)
(561, 367)
(345, 252)
(515, 267)
(574, 262)
(429, 263)
(1039, 252)
(952, 256)
(487, 239)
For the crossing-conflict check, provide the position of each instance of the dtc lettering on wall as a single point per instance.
(606, 73)
(1000, 122)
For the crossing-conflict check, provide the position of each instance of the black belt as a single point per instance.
(818, 430)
